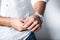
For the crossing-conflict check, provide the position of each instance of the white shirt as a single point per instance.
(15, 9)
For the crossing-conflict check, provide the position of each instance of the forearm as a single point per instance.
(40, 7)
(4, 21)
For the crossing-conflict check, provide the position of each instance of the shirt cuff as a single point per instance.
(34, 1)
(45, 0)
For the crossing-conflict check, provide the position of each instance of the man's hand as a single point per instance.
(33, 23)
(17, 24)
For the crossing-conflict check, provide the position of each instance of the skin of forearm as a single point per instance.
(4, 21)
(40, 7)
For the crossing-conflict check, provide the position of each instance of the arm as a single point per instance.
(5, 21)
(40, 7)
(12, 22)
(34, 22)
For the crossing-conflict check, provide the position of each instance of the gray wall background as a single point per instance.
(51, 25)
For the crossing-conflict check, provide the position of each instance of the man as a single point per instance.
(17, 22)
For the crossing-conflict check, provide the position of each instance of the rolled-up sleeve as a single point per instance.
(34, 1)
(39, 0)
(45, 0)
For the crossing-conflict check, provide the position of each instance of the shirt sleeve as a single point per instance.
(45, 0)
(39, 0)
(34, 1)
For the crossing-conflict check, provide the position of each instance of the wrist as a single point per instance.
(39, 16)
(8, 22)
(11, 21)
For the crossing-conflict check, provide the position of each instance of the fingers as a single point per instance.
(33, 25)
(16, 28)
(29, 22)
(35, 28)
(19, 28)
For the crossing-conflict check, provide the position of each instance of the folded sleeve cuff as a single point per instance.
(34, 1)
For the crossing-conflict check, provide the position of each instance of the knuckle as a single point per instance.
(32, 19)
(36, 22)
